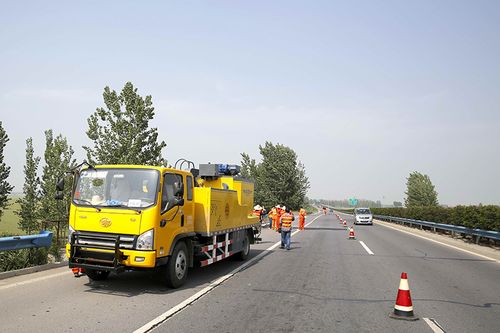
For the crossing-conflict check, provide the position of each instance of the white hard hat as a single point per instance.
(277, 206)
(284, 208)
(257, 207)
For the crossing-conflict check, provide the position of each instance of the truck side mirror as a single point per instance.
(60, 185)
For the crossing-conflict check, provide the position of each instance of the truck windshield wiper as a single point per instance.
(90, 204)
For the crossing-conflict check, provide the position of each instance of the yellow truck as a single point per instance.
(133, 217)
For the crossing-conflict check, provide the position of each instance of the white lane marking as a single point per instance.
(434, 325)
(158, 320)
(366, 247)
(22, 283)
(168, 314)
(436, 241)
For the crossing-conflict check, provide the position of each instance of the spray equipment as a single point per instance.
(214, 171)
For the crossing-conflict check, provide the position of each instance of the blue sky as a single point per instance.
(364, 91)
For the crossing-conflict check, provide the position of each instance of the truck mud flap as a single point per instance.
(256, 232)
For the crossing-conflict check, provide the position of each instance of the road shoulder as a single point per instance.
(479, 250)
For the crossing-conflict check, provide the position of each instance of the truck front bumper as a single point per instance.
(109, 260)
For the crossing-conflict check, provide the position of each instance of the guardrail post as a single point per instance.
(477, 239)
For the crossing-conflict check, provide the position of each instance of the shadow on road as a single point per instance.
(134, 283)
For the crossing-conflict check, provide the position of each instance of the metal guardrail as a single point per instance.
(479, 233)
(43, 239)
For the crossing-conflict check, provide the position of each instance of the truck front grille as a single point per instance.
(106, 241)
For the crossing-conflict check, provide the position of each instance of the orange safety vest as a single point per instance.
(275, 217)
(257, 213)
(286, 221)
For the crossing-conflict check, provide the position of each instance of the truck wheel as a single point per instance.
(177, 266)
(97, 275)
(243, 255)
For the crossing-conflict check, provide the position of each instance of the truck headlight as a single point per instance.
(70, 233)
(145, 240)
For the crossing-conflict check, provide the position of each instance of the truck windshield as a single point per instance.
(135, 188)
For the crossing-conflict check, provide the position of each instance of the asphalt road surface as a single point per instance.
(325, 283)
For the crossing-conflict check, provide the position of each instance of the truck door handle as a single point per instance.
(182, 220)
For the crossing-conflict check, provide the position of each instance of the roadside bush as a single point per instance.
(17, 259)
(474, 217)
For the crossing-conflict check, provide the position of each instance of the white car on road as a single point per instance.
(363, 216)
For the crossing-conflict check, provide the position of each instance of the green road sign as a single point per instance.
(353, 201)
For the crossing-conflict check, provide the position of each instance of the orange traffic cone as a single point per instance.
(403, 309)
(351, 233)
(345, 223)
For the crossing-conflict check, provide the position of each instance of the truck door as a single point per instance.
(174, 206)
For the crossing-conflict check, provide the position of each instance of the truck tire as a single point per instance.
(177, 266)
(243, 255)
(97, 275)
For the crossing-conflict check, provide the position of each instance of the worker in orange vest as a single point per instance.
(302, 218)
(272, 212)
(281, 211)
(286, 228)
(276, 217)
(257, 211)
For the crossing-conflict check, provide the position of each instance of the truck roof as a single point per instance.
(137, 166)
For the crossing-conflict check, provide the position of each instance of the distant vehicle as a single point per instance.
(363, 216)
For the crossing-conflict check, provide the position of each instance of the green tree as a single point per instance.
(279, 179)
(120, 132)
(248, 167)
(420, 191)
(5, 187)
(29, 204)
(58, 160)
